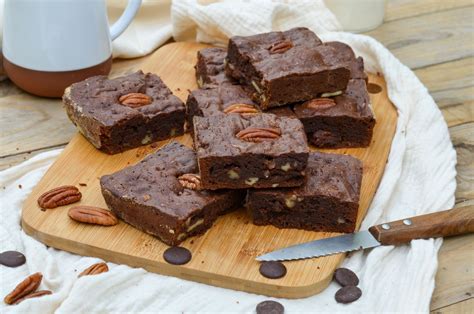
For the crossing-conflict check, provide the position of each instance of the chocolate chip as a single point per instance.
(272, 270)
(346, 277)
(177, 255)
(12, 258)
(374, 88)
(270, 307)
(348, 294)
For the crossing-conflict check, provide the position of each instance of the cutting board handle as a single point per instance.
(441, 224)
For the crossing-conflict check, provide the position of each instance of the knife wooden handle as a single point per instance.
(441, 224)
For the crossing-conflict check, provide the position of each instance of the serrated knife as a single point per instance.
(441, 224)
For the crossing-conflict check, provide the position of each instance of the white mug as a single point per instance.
(50, 44)
(357, 15)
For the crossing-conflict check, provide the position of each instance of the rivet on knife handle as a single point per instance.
(441, 224)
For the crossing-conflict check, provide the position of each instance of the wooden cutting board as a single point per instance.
(225, 255)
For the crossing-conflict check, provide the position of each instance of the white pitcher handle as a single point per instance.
(127, 16)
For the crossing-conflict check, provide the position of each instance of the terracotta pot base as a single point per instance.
(51, 84)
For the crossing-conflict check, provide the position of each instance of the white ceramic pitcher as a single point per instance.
(50, 44)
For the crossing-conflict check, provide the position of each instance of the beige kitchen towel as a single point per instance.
(419, 178)
(213, 21)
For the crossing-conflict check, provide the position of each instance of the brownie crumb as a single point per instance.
(82, 184)
(20, 186)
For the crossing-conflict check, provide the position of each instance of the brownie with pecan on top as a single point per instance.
(162, 195)
(126, 112)
(286, 67)
(256, 151)
(346, 120)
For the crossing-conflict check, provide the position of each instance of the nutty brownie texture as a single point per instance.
(257, 151)
(126, 112)
(327, 201)
(286, 67)
(223, 100)
(346, 120)
(210, 68)
(162, 196)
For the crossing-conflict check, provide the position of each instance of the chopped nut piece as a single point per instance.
(233, 174)
(251, 181)
(286, 167)
(194, 225)
(290, 201)
(332, 94)
(190, 181)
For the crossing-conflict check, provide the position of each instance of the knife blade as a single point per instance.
(441, 224)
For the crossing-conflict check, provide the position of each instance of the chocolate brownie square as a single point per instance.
(286, 67)
(126, 112)
(328, 200)
(257, 151)
(347, 56)
(219, 100)
(161, 195)
(225, 99)
(210, 68)
(346, 120)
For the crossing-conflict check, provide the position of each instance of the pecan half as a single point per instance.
(258, 134)
(280, 46)
(94, 269)
(320, 103)
(35, 294)
(92, 215)
(27, 286)
(242, 109)
(190, 181)
(135, 100)
(59, 196)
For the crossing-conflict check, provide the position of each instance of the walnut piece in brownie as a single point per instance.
(328, 200)
(286, 67)
(346, 120)
(126, 112)
(257, 151)
(162, 196)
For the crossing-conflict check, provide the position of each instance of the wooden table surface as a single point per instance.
(434, 38)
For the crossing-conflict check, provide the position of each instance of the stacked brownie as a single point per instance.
(258, 104)
(308, 87)
(291, 73)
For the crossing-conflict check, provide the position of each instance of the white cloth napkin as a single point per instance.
(419, 178)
